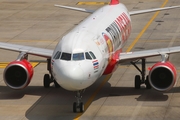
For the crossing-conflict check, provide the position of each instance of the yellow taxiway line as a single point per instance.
(90, 100)
(144, 29)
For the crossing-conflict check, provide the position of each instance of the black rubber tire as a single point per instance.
(46, 81)
(137, 84)
(81, 107)
(148, 86)
(74, 107)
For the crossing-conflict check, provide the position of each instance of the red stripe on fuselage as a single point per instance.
(112, 66)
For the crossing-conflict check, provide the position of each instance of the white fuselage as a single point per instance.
(85, 53)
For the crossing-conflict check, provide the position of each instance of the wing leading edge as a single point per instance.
(129, 56)
(152, 10)
(47, 53)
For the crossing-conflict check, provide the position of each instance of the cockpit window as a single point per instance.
(66, 56)
(92, 54)
(78, 56)
(88, 56)
(57, 55)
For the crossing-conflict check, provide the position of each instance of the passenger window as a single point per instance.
(57, 55)
(78, 56)
(92, 54)
(88, 56)
(66, 56)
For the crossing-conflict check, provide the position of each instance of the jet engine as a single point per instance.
(18, 74)
(162, 76)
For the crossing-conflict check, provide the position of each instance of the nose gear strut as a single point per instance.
(78, 105)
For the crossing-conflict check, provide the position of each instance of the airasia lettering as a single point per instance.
(119, 30)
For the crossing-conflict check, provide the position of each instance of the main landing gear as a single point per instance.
(78, 105)
(143, 79)
(48, 78)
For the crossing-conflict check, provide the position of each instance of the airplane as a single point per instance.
(92, 49)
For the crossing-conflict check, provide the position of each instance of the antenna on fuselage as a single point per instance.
(114, 2)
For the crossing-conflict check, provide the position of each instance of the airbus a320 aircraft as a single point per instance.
(92, 49)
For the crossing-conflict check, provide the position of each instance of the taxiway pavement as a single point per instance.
(38, 23)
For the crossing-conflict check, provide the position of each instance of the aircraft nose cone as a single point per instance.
(72, 77)
(76, 74)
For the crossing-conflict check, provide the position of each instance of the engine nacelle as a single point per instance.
(162, 76)
(18, 74)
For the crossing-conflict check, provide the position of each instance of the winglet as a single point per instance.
(114, 2)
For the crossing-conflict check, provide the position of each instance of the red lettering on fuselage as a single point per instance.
(119, 31)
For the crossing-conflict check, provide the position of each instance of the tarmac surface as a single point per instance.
(38, 23)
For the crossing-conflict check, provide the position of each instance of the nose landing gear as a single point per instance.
(78, 105)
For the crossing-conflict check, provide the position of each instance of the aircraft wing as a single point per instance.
(75, 8)
(131, 12)
(152, 10)
(47, 53)
(130, 56)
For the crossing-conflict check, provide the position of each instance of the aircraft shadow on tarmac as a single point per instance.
(58, 102)
(8, 93)
(144, 95)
